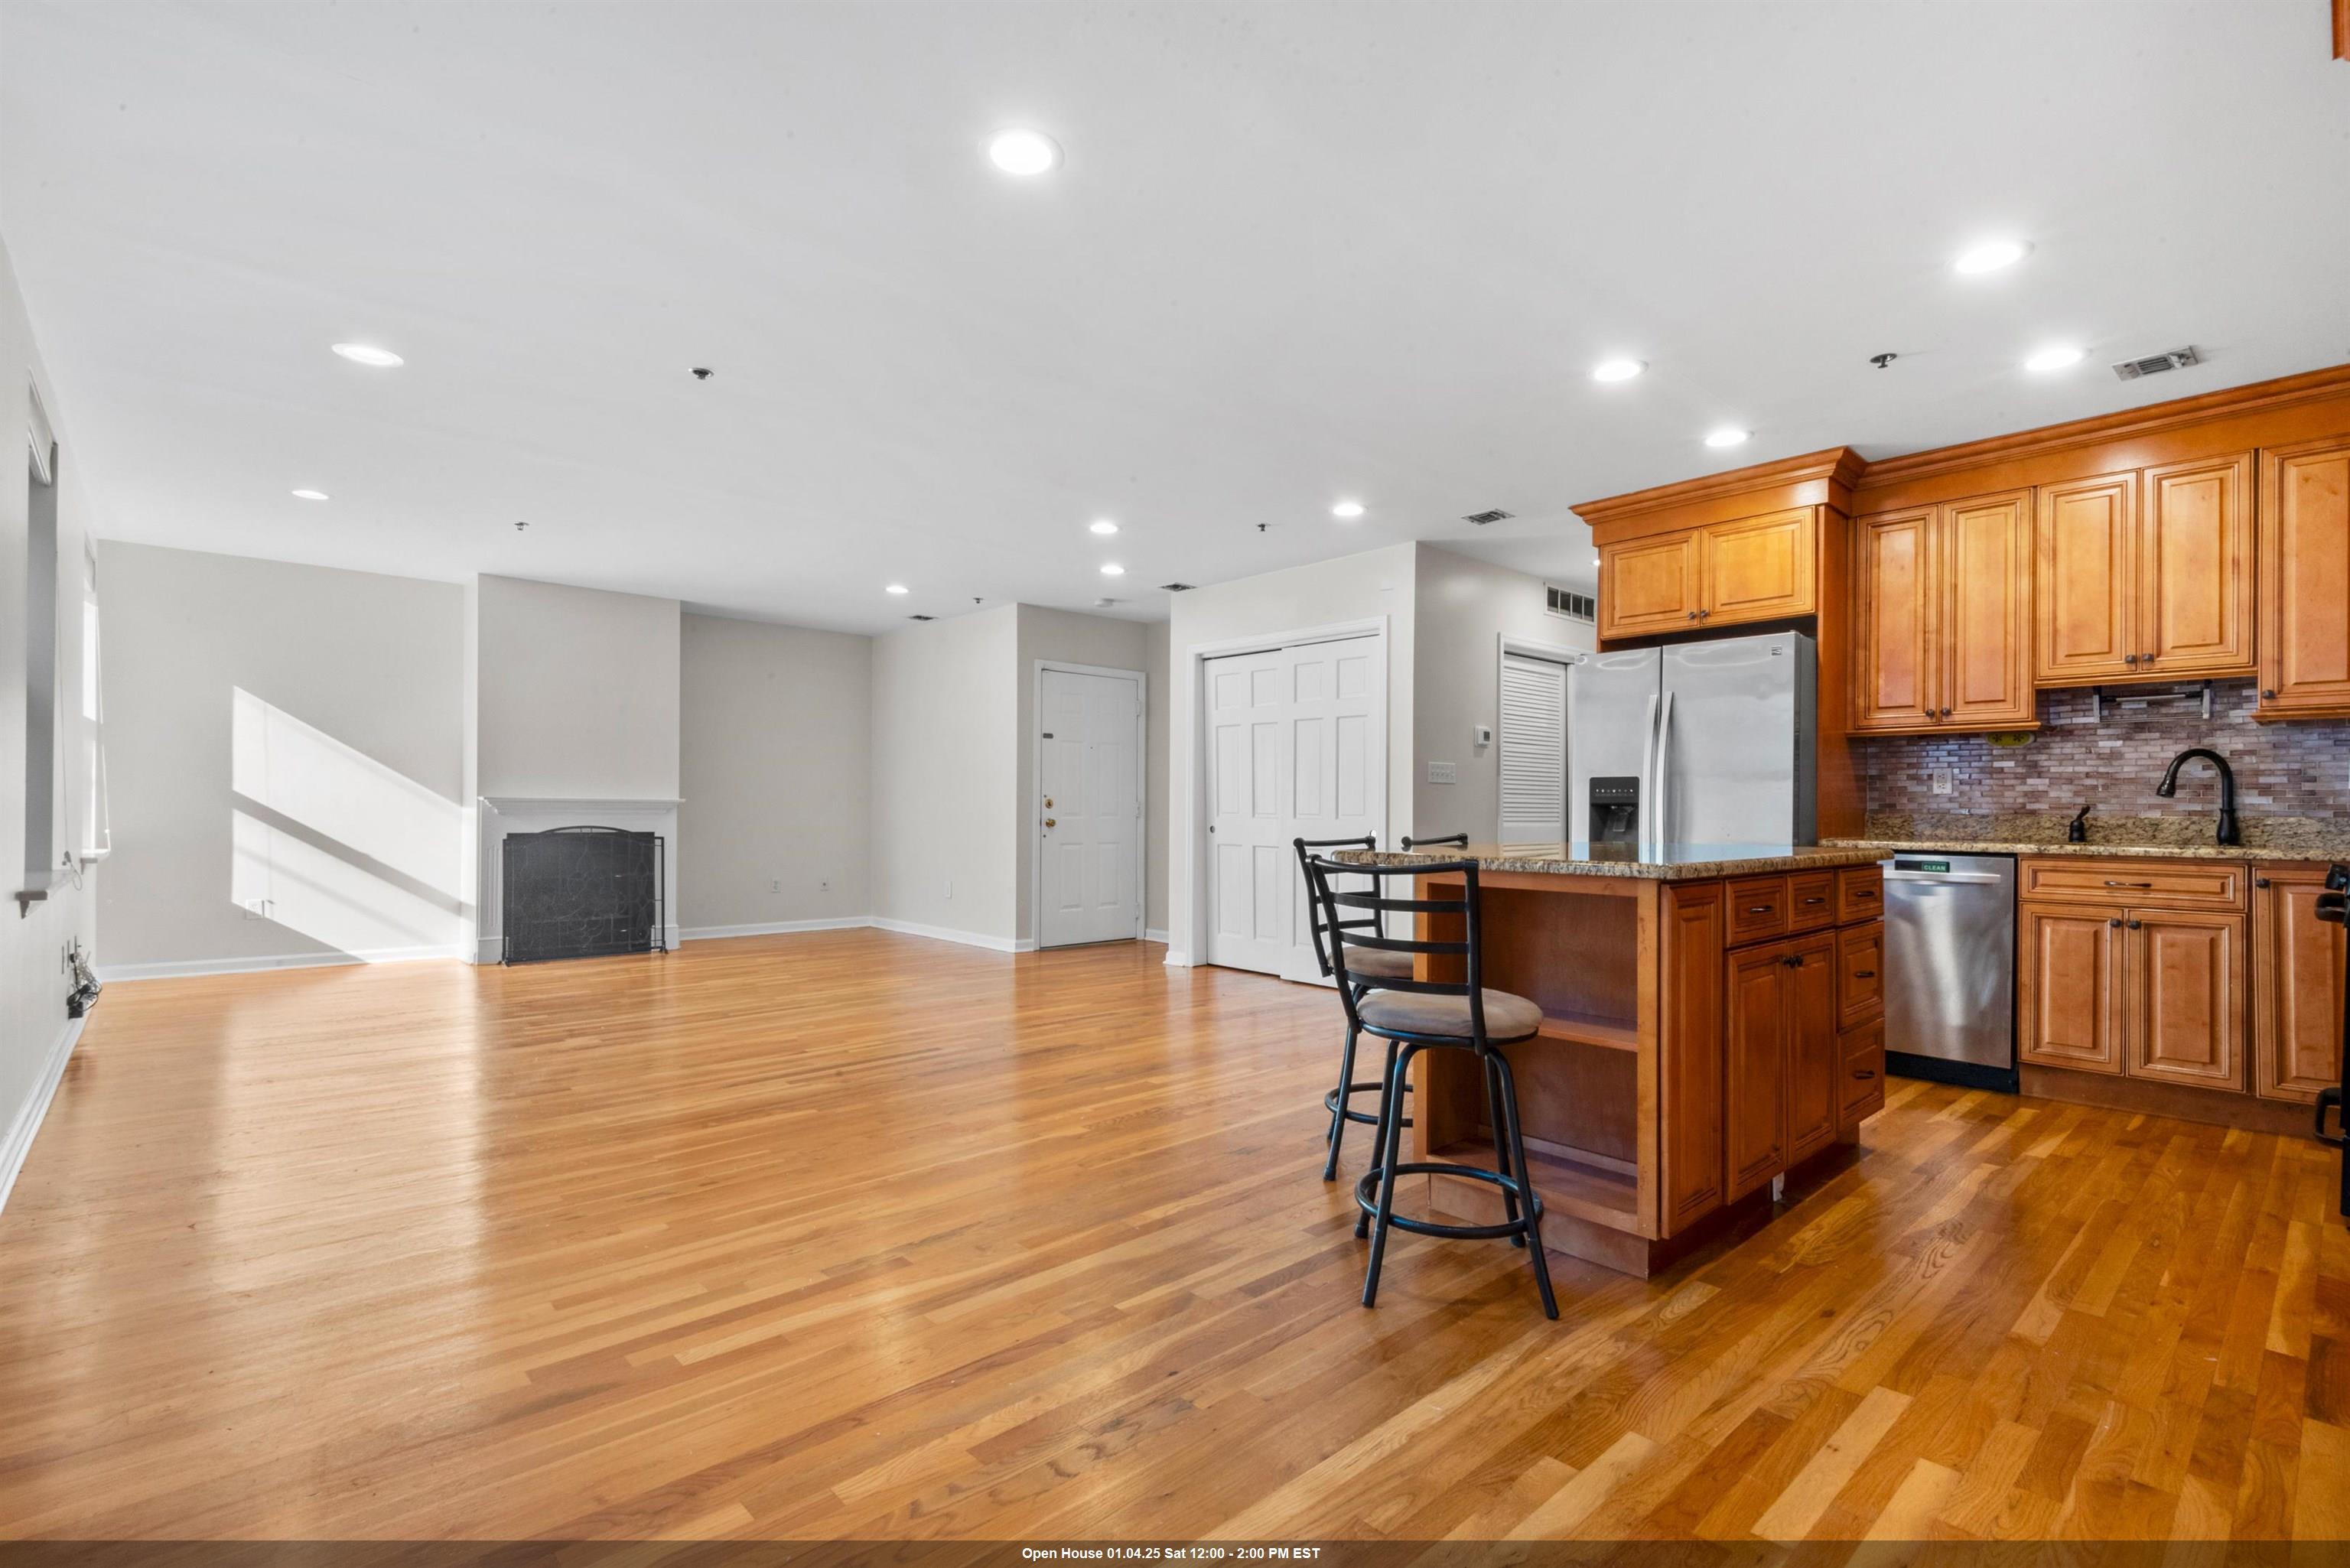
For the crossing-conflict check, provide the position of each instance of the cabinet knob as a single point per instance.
(2145, 659)
(2268, 693)
(2129, 658)
(2259, 881)
(1946, 713)
(2134, 925)
(1795, 962)
(1692, 615)
(2115, 922)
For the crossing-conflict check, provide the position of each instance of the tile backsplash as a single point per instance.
(2281, 770)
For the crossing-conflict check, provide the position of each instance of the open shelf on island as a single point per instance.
(1567, 1184)
(1577, 1030)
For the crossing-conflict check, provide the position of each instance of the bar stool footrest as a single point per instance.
(1367, 1197)
(1330, 1102)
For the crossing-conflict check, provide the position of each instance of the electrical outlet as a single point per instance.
(824, 887)
(777, 886)
(1442, 773)
(950, 893)
(1937, 780)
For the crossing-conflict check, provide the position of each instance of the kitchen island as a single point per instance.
(1713, 1018)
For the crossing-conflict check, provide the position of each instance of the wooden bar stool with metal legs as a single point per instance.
(1372, 969)
(1417, 1015)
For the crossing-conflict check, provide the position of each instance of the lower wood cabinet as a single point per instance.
(1781, 1058)
(1690, 974)
(2149, 993)
(1861, 1089)
(1814, 1061)
(2297, 986)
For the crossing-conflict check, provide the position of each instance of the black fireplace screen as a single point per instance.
(582, 892)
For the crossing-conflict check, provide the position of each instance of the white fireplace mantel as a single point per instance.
(497, 816)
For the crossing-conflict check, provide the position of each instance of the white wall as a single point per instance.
(286, 732)
(1375, 584)
(946, 776)
(32, 984)
(1154, 810)
(1462, 609)
(577, 695)
(775, 760)
(1069, 638)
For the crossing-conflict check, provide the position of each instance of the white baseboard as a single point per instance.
(1159, 937)
(491, 951)
(776, 927)
(949, 934)
(1177, 957)
(112, 973)
(30, 1115)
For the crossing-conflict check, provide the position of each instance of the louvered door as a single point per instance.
(1534, 750)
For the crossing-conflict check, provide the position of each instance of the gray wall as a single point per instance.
(946, 775)
(353, 687)
(32, 977)
(776, 757)
(1074, 638)
(578, 693)
(1463, 609)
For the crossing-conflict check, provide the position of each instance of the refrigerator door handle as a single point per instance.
(1664, 765)
(1648, 774)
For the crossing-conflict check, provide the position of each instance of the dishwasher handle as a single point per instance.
(1989, 878)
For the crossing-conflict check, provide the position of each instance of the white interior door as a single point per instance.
(1534, 750)
(1297, 748)
(1090, 817)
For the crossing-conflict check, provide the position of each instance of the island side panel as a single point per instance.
(1690, 1112)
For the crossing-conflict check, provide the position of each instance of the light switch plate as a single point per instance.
(1441, 772)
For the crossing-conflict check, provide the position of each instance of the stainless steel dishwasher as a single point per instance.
(1949, 969)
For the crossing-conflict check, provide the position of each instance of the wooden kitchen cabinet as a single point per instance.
(1860, 973)
(2184, 977)
(1942, 616)
(2305, 572)
(2146, 574)
(1757, 1019)
(1693, 937)
(1649, 586)
(2069, 983)
(1815, 1057)
(1863, 1092)
(2297, 986)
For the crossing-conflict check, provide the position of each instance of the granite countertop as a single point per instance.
(2171, 837)
(1655, 863)
(2101, 851)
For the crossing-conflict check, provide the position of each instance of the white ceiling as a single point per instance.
(1296, 252)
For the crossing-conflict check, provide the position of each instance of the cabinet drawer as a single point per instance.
(2165, 884)
(1811, 901)
(1860, 973)
(1860, 894)
(1757, 908)
(1860, 1082)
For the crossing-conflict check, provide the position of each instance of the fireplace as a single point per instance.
(582, 892)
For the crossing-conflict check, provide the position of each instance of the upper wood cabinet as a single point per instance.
(2305, 555)
(2147, 576)
(2297, 986)
(1942, 616)
(1724, 574)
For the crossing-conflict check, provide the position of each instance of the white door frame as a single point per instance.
(1036, 790)
(1549, 653)
(1193, 850)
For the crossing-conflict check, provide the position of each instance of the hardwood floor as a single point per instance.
(859, 1235)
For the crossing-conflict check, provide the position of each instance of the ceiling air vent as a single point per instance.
(1175, 587)
(1494, 515)
(1568, 604)
(921, 618)
(2155, 364)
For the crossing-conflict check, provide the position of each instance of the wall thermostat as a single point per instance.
(1484, 735)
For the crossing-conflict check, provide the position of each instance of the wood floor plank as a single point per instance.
(852, 1233)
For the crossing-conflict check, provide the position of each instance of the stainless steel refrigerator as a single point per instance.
(1699, 742)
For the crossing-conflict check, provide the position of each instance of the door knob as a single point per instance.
(1048, 802)
(1049, 823)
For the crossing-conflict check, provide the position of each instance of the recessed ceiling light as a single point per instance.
(1617, 369)
(1347, 509)
(1112, 569)
(1990, 255)
(310, 495)
(1024, 152)
(1727, 437)
(1105, 526)
(369, 354)
(2055, 358)
(895, 589)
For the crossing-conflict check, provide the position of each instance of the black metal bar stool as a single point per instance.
(1373, 969)
(1416, 1015)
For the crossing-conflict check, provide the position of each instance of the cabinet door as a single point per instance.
(1761, 569)
(1815, 1054)
(1986, 615)
(2186, 988)
(2086, 580)
(1754, 1058)
(1648, 585)
(2296, 986)
(2305, 580)
(1690, 1079)
(1894, 686)
(1860, 973)
(2069, 984)
(2195, 570)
